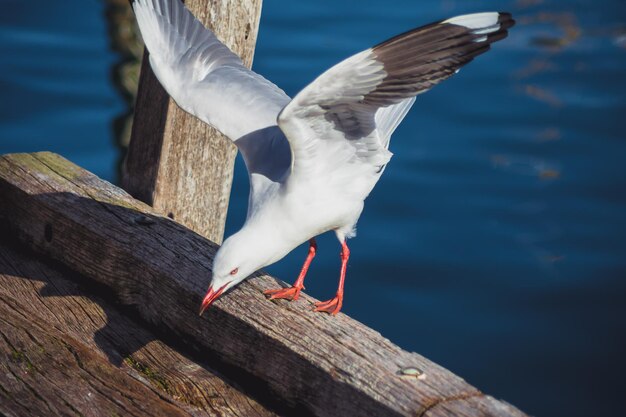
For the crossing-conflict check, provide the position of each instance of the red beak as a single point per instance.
(210, 297)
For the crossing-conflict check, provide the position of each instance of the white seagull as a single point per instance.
(312, 160)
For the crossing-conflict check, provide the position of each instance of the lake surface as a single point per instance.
(495, 243)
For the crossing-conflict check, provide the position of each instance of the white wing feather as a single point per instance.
(202, 75)
(389, 118)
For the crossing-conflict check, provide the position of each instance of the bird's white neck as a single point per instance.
(268, 240)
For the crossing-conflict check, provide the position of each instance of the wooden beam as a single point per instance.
(70, 352)
(46, 373)
(312, 363)
(176, 163)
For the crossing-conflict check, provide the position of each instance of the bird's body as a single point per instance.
(312, 160)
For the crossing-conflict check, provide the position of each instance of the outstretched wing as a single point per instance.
(208, 80)
(347, 114)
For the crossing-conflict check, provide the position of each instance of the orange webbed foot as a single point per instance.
(291, 293)
(331, 307)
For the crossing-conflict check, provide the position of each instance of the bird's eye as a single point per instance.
(234, 271)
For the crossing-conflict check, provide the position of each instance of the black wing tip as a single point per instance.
(506, 21)
(417, 60)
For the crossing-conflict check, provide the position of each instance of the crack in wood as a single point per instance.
(441, 401)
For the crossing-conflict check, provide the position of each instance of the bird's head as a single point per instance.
(236, 260)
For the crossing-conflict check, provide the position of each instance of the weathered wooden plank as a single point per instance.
(477, 406)
(315, 364)
(70, 352)
(176, 163)
(44, 372)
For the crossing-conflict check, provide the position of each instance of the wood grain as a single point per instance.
(312, 363)
(176, 163)
(69, 351)
(476, 406)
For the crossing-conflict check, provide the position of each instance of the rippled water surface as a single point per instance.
(495, 243)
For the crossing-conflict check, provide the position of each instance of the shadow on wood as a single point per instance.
(79, 352)
(311, 363)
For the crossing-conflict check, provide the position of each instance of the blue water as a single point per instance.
(495, 243)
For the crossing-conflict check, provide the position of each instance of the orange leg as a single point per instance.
(333, 306)
(293, 292)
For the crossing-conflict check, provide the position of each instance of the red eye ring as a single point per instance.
(234, 271)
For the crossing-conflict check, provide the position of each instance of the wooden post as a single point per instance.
(310, 363)
(176, 163)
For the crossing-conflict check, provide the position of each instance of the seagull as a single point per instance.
(313, 159)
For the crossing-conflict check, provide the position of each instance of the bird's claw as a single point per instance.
(331, 307)
(291, 293)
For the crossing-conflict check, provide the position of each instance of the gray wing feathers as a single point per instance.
(361, 100)
(419, 59)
